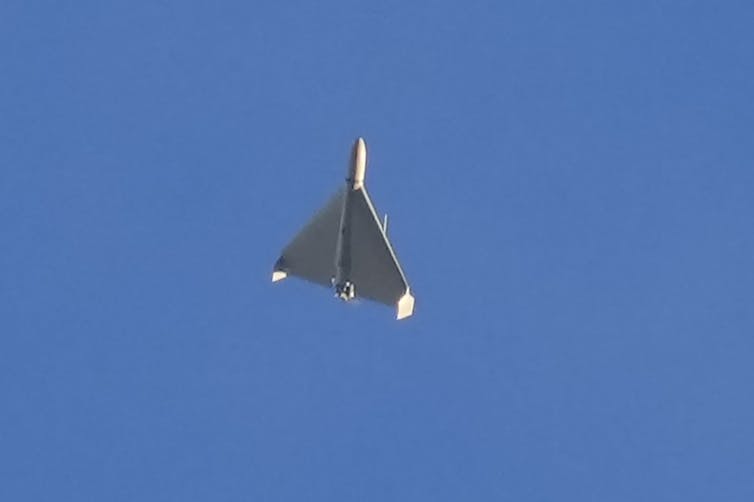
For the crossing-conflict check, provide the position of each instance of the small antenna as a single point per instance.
(384, 224)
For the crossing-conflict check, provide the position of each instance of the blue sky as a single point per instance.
(570, 190)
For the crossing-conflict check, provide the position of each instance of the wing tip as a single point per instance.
(278, 275)
(405, 306)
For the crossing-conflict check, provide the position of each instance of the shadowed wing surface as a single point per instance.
(375, 271)
(311, 254)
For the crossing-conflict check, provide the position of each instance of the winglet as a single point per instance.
(278, 275)
(405, 305)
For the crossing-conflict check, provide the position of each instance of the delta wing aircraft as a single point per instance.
(345, 246)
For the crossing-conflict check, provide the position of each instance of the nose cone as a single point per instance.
(360, 147)
(358, 164)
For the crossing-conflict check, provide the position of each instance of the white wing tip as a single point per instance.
(278, 275)
(405, 306)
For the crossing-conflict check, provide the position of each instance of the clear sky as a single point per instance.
(571, 194)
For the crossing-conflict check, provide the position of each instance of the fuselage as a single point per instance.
(344, 288)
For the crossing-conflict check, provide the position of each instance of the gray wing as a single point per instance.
(375, 271)
(311, 254)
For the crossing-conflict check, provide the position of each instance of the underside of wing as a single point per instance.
(311, 254)
(375, 270)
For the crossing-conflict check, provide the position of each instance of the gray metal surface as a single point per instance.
(375, 271)
(311, 254)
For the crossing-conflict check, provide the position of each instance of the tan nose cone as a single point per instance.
(358, 164)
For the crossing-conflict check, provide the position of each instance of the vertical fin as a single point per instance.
(405, 306)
